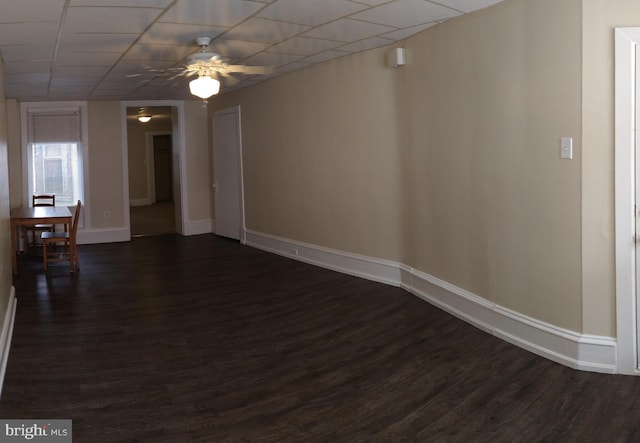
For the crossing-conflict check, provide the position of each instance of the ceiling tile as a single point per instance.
(28, 33)
(131, 3)
(126, 81)
(172, 53)
(309, 12)
(373, 2)
(25, 91)
(268, 59)
(347, 30)
(179, 34)
(112, 86)
(20, 11)
(214, 13)
(406, 13)
(70, 90)
(86, 58)
(293, 66)
(263, 30)
(27, 67)
(401, 34)
(134, 66)
(468, 5)
(109, 94)
(74, 81)
(40, 77)
(303, 46)
(109, 20)
(96, 42)
(324, 56)
(236, 49)
(366, 44)
(80, 71)
(26, 52)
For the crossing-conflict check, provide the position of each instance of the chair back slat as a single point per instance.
(74, 224)
(43, 200)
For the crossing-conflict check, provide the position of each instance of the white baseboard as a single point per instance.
(140, 202)
(570, 348)
(196, 227)
(357, 265)
(114, 235)
(7, 333)
(92, 236)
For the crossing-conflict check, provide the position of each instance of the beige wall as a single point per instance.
(321, 155)
(449, 164)
(197, 162)
(494, 210)
(5, 239)
(106, 191)
(15, 154)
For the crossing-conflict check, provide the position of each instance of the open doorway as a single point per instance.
(151, 181)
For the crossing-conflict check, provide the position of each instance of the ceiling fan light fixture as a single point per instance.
(144, 118)
(204, 86)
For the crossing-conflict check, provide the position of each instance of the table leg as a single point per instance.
(14, 246)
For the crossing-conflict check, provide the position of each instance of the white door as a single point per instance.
(227, 173)
(636, 145)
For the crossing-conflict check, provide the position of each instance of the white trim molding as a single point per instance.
(140, 202)
(572, 349)
(197, 227)
(121, 234)
(626, 40)
(111, 235)
(7, 333)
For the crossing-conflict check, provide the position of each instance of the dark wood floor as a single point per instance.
(200, 339)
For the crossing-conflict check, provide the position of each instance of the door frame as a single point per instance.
(626, 40)
(178, 147)
(240, 166)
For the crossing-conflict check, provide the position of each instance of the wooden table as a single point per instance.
(58, 215)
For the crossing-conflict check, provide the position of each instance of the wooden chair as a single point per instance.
(36, 230)
(52, 242)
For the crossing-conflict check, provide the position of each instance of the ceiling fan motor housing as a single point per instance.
(203, 41)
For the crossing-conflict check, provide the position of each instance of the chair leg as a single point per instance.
(44, 255)
(75, 258)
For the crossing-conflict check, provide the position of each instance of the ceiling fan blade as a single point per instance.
(175, 76)
(203, 58)
(253, 70)
(228, 79)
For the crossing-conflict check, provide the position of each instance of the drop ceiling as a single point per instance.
(131, 49)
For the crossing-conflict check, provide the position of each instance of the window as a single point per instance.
(54, 151)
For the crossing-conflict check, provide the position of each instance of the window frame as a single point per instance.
(25, 109)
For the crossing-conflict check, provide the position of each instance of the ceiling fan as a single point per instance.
(210, 68)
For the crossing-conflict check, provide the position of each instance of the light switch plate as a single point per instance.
(566, 148)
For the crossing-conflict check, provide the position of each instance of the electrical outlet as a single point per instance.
(107, 214)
